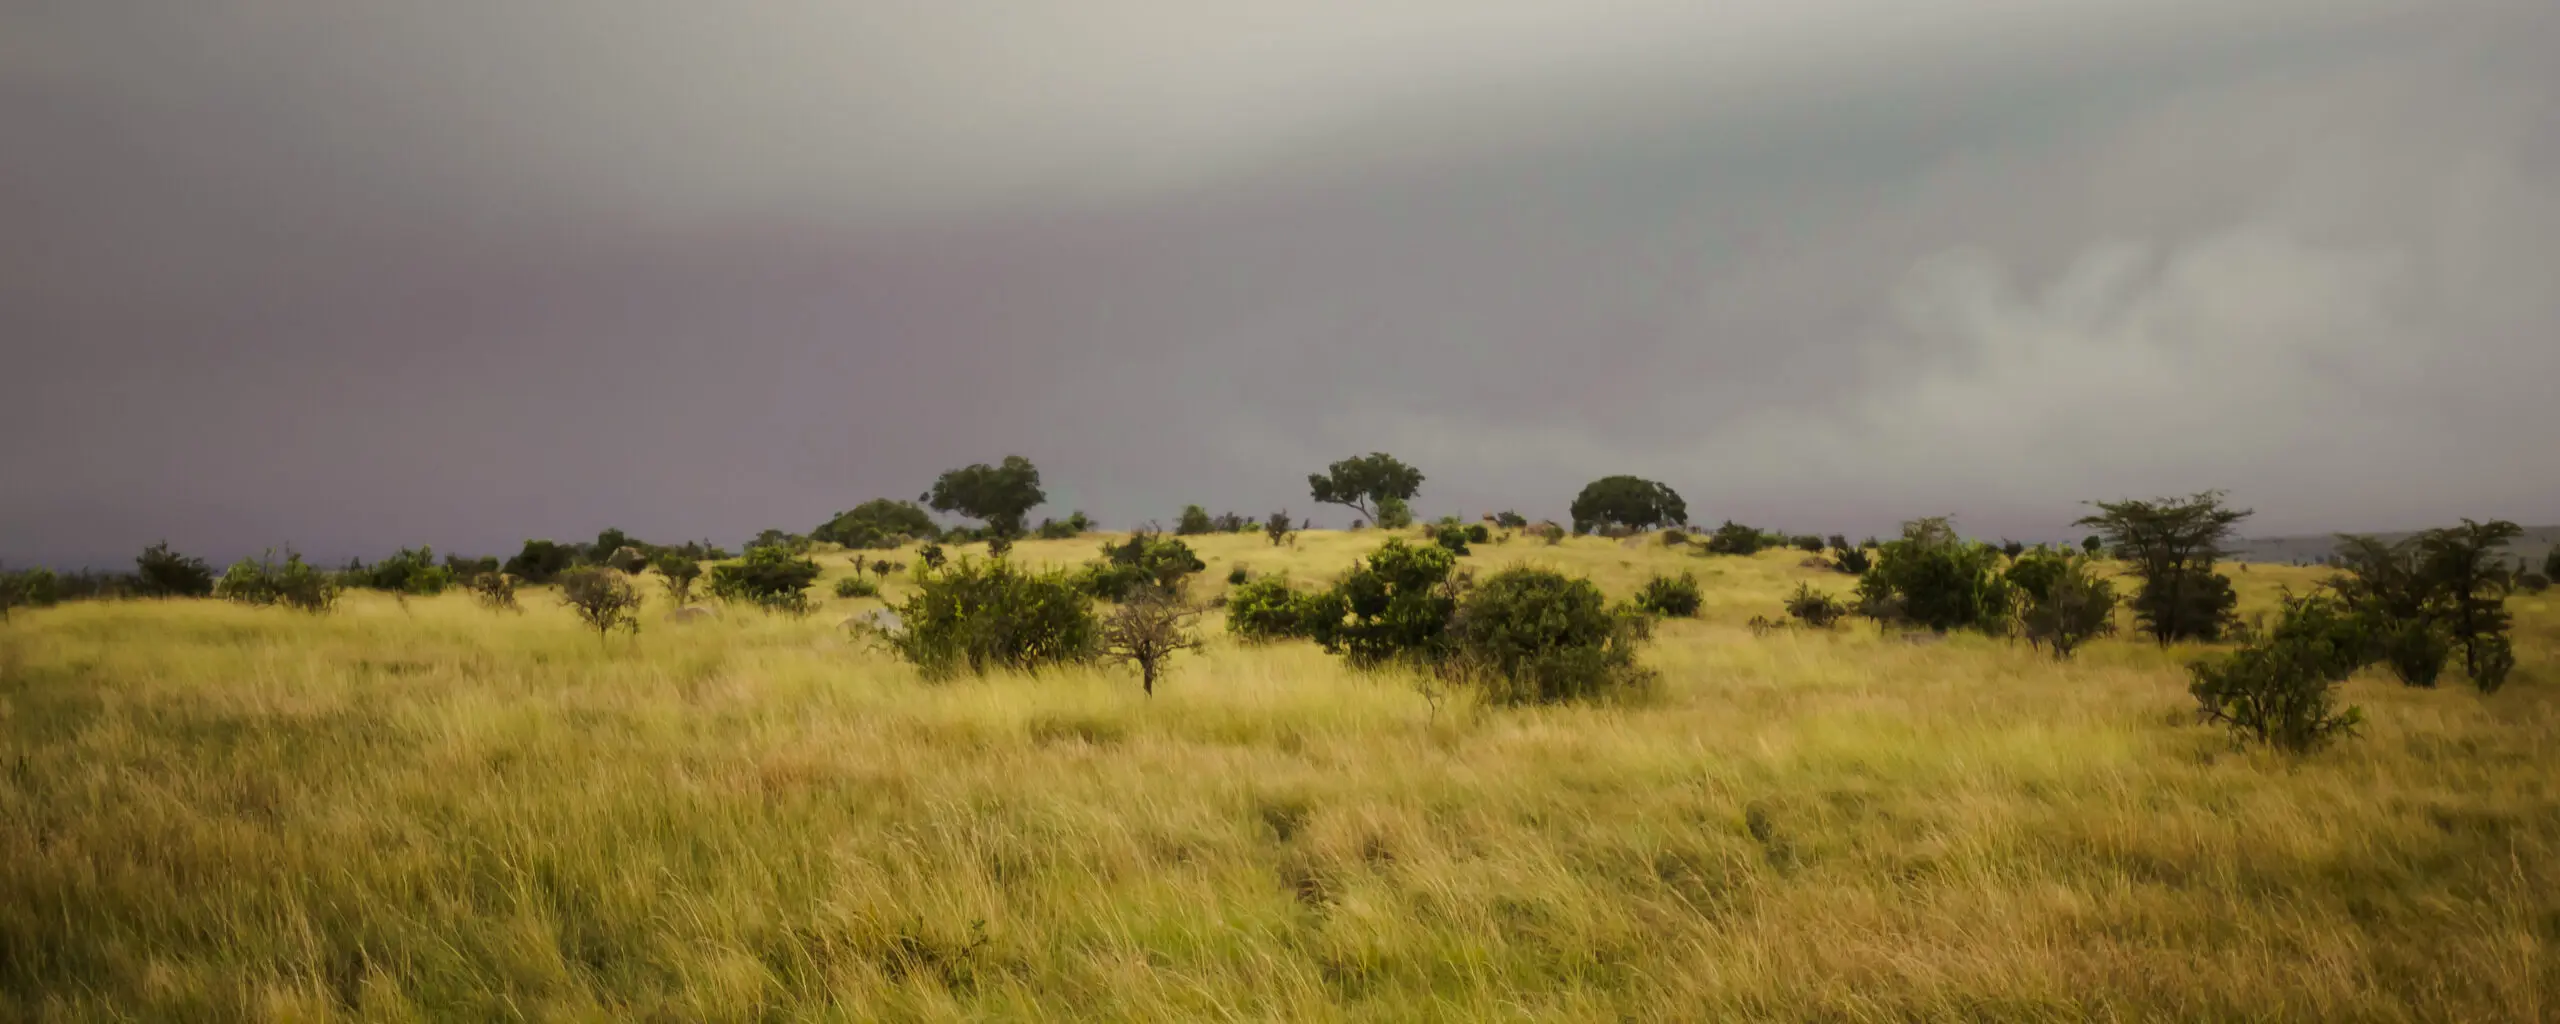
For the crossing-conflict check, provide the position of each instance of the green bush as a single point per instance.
(1510, 520)
(1394, 514)
(1815, 608)
(1193, 522)
(1396, 607)
(677, 572)
(604, 599)
(2065, 603)
(160, 572)
(1236, 576)
(409, 572)
(1477, 533)
(1626, 501)
(976, 616)
(1852, 560)
(1537, 636)
(1734, 539)
(856, 586)
(2278, 690)
(295, 584)
(1671, 596)
(541, 561)
(2416, 650)
(2533, 582)
(771, 578)
(495, 591)
(1143, 560)
(1808, 543)
(1933, 579)
(930, 556)
(878, 523)
(1264, 610)
(1451, 538)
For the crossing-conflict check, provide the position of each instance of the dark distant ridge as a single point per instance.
(2317, 547)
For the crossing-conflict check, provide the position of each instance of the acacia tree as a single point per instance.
(2172, 544)
(998, 495)
(2462, 565)
(878, 523)
(604, 600)
(1366, 484)
(1627, 501)
(677, 573)
(1277, 527)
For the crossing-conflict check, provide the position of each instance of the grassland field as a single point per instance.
(424, 810)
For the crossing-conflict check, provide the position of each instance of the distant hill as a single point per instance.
(2310, 548)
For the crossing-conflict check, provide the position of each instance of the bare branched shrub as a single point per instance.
(1146, 631)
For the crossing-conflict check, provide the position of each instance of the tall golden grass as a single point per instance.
(428, 811)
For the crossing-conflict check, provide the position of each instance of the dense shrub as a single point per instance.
(541, 561)
(1193, 522)
(856, 586)
(603, 599)
(1071, 527)
(1734, 539)
(1143, 560)
(1854, 561)
(1265, 609)
(409, 572)
(495, 591)
(930, 556)
(1815, 608)
(1809, 544)
(1672, 596)
(34, 588)
(160, 572)
(1394, 514)
(2064, 603)
(465, 568)
(1674, 537)
(974, 617)
(1510, 520)
(1477, 533)
(878, 523)
(1395, 607)
(771, 578)
(294, 584)
(2533, 582)
(1550, 532)
(1931, 578)
(2279, 688)
(1537, 636)
(1451, 538)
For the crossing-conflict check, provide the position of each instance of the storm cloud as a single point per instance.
(356, 276)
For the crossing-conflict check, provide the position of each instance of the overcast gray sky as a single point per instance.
(354, 276)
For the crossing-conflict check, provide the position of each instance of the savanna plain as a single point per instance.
(425, 810)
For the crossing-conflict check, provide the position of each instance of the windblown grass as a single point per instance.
(435, 812)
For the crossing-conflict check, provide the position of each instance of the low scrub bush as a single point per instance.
(1815, 608)
(1671, 596)
(1931, 578)
(294, 584)
(1145, 560)
(2280, 689)
(856, 586)
(1264, 610)
(677, 572)
(1147, 631)
(1734, 539)
(771, 578)
(2065, 603)
(974, 617)
(495, 591)
(160, 572)
(1395, 607)
(1537, 636)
